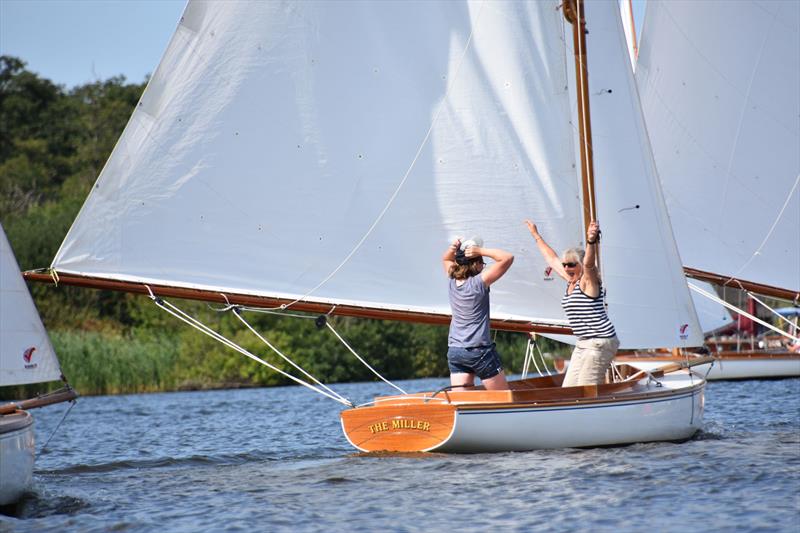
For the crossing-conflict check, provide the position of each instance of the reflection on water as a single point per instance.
(274, 459)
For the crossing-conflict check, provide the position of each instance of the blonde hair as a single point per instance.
(574, 253)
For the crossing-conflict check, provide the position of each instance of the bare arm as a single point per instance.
(549, 255)
(449, 256)
(495, 271)
(590, 281)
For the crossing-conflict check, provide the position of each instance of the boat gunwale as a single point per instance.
(729, 355)
(22, 420)
(608, 398)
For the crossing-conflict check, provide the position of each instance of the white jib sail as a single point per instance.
(649, 301)
(721, 94)
(26, 355)
(272, 136)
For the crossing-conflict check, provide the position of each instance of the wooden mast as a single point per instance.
(574, 13)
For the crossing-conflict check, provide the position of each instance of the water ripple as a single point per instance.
(249, 462)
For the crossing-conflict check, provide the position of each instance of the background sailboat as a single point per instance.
(26, 356)
(722, 103)
(314, 157)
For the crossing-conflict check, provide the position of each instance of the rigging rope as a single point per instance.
(327, 323)
(277, 351)
(740, 312)
(53, 434)
(773, 311)
(188, 319)
(362, 360)
(771, 229)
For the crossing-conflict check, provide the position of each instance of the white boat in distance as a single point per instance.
(722, 104)
(26, 356)
(319, 156)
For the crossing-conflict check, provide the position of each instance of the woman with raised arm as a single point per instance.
(471, 351)
(584, 306)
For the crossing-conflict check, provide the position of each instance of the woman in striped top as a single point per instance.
(584, 305)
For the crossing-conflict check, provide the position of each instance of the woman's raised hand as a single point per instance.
(532, 228)
(592, 232)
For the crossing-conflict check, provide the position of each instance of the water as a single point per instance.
(276, 459)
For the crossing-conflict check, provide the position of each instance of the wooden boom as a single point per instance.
(758, 288)
(269, 302)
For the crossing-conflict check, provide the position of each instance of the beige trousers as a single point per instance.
(589, 361)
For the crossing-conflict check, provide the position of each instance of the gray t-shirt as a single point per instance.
(470, 306)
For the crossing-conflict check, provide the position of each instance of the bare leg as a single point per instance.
(461, 380)
(497, 382)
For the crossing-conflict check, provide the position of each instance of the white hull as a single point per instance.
(670, 409)
(740, 368)
(673, 418)
(17, 454)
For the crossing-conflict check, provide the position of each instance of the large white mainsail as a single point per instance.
(275, 139)
(721, 94)
(26, 355)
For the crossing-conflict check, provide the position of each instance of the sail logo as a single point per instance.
(684, 329)
(27, 355)
(548, 273)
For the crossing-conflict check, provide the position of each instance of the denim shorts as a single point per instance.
(483, 361)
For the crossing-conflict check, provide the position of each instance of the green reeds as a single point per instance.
(103, 363)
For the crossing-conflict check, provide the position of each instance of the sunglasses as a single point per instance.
(570, 264)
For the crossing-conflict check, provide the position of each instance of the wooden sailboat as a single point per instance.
(735, 356)
(722, 104)
(313, 157)
(26, 356)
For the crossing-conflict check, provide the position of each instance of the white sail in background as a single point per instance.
(26, 355)
(721, 94)
(713, 315)
(273, 137)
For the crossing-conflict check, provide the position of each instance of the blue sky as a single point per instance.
(72, 42)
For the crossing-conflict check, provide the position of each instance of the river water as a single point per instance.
(276, 459)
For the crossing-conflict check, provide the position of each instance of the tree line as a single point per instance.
(53, 143)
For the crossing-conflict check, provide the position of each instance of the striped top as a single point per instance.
(587, 316)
